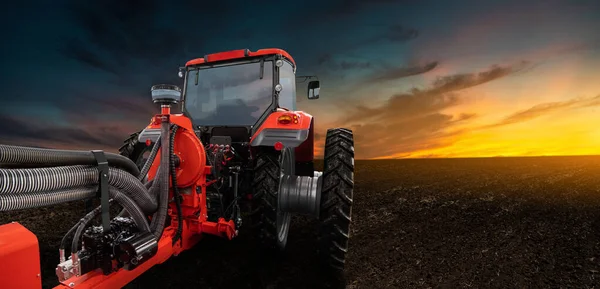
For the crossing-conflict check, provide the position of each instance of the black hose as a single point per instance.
(14, 202)
(162, 183)
(136, 214)
(133, 211)
(17, 181)
(123, 212)
(95, 211)
(149, 161)
(63, 242)
(83, 223)
(19, 156)
(176, 193)
(149, 184)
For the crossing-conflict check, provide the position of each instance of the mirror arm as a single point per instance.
(305, 78)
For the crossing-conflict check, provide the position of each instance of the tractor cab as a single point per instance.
(239, 88)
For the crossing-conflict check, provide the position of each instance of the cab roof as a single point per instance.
(239, 54)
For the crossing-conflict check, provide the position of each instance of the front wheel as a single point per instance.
(336, 198)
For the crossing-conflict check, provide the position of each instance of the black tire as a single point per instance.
(269, 224)
(134, 150)
(335, 213)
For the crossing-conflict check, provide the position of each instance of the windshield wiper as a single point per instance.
(262, 68)
(197, 73)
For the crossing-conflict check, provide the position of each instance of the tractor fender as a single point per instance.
(291, 134)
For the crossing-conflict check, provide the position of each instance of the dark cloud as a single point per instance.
(465, 116)
(396, 73)
(343, 8)
(416, 121)
(466, 80)
(324, 58)
(85, 135)
(542, 109)
(118, 36)
(349, 65)
(75, 49)
(333, 55)
(437, 97)
(405, 136)
(127, 29)
(399, 33)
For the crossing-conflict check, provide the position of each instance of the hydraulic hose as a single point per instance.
(150, 160)
(82, 224)
(149, 184)
(17, 181)
(136, 214)
(63, 242)
(176, 194)
(14, 202)
(19, 156)
(162, 183)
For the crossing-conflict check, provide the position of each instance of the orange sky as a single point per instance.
(497, 89)
(467, 79)
(546, 106)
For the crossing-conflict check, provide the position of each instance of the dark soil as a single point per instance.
(438, 223)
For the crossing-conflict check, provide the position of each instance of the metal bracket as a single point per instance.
(103, 188)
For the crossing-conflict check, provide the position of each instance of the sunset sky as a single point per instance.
(411, 78)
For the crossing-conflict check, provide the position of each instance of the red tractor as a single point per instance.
(239, 155)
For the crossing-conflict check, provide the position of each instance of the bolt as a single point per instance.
(72, 284)
(39, 274)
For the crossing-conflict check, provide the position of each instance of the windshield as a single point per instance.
(233, 95)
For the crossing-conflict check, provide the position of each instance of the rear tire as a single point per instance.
(267, 221)
(336, 199)
(134, 150)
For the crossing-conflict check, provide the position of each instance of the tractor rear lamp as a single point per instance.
(278, 146)
(285, 119)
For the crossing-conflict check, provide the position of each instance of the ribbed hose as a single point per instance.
(136, 214)
(159, 218)
(176, 194)
(14, 202)
(16, 181)
(150, 160)
(132, 209)
(145, 170)
(148, 185)
(19, 156)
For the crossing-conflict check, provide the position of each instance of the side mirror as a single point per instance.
(181, 72)
(166, 94)
(313, 89)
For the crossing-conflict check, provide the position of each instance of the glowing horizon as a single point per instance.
(468, 80)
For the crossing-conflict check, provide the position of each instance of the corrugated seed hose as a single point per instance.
(162, 184)
(18, 156)
(60, 176)
(37, 180)
(14, 202)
